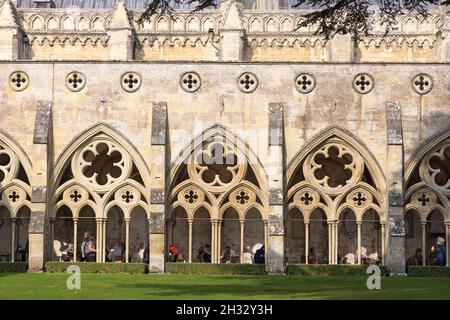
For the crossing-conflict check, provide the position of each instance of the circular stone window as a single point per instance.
(363, 83)
(305, 83)
(190, 82)
(75, 81)
(247, 82)
(18, 80)
(131, 81)
(422, 84)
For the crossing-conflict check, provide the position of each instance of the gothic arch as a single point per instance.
(336, 173)
(215, 172)
(101, 170)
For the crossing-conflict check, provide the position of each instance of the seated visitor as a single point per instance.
(67, 255)
(418, 258)
(433, 254)
(260, 256)
(173, 253)
(84, 241)
(226, 256)
(350, 258)
(116, 251)
(90, 250)
(20, 252)
(205, 254)
(440, 252)
(312, 256)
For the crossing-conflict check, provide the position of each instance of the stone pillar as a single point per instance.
(103, 255)
(213, 241)
(232, 33)
(443, 36)
(39, 183)
(219, 239)
(121, 36)
(13, 239)
(447, 247)
(100, 249)
(383, 243)
(127, 240)
(157, 192)
(11, 32)
(275, 256)
(241, 248)
(52, 237)
(358, 226)
(396, 246)
(330, 242)
(336, 242)
(307, 242)
(424, 243)
(75, 238)
(190, 222)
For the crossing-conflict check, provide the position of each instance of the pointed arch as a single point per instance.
(101, 128)
(349, 139)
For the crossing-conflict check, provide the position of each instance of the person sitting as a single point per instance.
(418, 258)
(226, 256)
(350, 258)
(173, 253)
(205, 254)
(260, 256)
(91, 251)
(440, 252)
(116, 251)
(433, 254)
(312, 256)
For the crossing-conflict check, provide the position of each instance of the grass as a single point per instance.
(140, 286)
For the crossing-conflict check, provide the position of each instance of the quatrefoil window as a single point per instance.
(75, 81)
(131, 81)
(359, 199)
(102, 164)
(127, 196)
(18, 81)
(305, 83)
(440, 166)
(422, 84)
(75, 196)
(14, 196)
(217, 165)
(191, 196)
(424, 200)
(333, 168)
(363, 83)
(247, 82)
(5, 164)
(242, 197)
(306, 198)
(190, 81)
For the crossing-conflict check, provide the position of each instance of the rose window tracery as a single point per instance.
(436, 169)
(102, 163)
(8, 164)
(334, 168)
(217, 166)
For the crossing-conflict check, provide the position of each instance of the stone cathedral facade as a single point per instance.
(223, 127)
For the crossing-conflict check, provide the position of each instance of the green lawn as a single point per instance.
(127, 286)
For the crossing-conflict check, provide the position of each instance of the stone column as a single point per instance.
(103, 255)
(307, 242)
(330, 242)
(424, 243)
(383, 243)
(241, 248)
(213, 241)
(395, 259)
(219, 239)
(127, 240)
(358, 226)
(190, 222)
(75, 238)
(336, 237)
(275, 169)
(52, 237)
(447, 246)
(13, 239)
